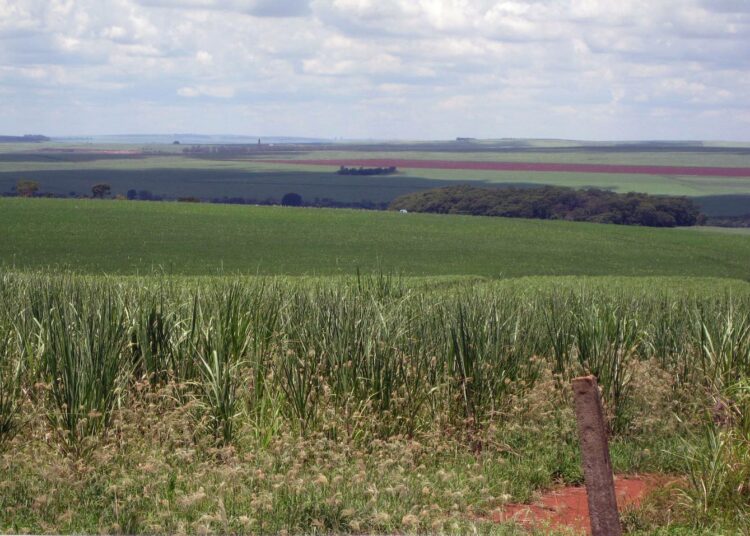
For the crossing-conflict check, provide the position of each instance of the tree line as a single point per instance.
(31, 188)
(555, 203)
(220, 149)
(26, 138)
(390, 170)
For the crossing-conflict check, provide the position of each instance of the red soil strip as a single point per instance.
(90, 151)
(529, 166)
(567, 508)
(112, 151)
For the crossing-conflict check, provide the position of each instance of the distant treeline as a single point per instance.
(343, 170)
(103, 191)
(27, 138)
(555, 203)
(221, 149)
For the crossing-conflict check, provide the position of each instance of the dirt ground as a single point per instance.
(568, 507)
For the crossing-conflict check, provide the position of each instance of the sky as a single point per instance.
(378, 69)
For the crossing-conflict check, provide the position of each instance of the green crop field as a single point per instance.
(206, 368)
(576, 155)
(164, 171)
(130, 237)
(368, 404)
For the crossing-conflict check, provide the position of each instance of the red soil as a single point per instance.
(530, 166)
(567, 508)
(90, 151)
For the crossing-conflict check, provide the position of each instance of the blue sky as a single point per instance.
(387, 69)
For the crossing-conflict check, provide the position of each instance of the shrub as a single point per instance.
(291, 200)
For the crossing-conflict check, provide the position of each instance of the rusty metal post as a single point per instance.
(597, 467)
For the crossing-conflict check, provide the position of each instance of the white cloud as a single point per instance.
(220, 92)
(257, 8)
(203, 57)
(402, 68)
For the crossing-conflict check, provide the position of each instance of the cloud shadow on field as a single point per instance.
(212, 184)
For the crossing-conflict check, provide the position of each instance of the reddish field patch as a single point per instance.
(530, 166)
(89, 151)
(567, 508)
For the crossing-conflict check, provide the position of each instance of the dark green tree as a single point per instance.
(27, 188)
(291, 200)
(101, 190)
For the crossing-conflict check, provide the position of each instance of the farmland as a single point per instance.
(121, 237)
(227, 183)
(368, 403)
(359, 267)
(270, 172)
(203, 368)
(697, 171)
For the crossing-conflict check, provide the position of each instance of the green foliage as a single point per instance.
(490, 350)
(101, 190)
(343, 170)
(222, 346)
(449, 356)
(555, 203)
(717, 458)
(606, 339)
(11, 382)
(150, 344)
(725, 344)
(373, 403)
(26, 188)
(291, 200)
(84, 362)
(187, 238)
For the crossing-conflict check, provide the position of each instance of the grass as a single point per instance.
(726, 230)
(361, 404)
(140, 237)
